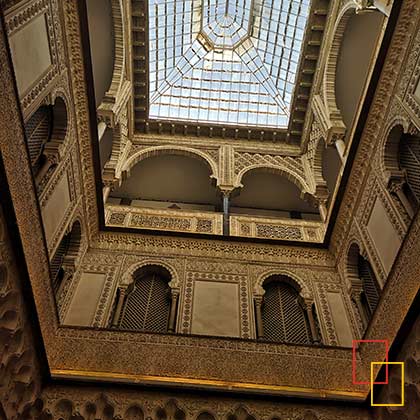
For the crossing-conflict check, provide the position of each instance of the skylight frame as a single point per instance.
(233, 116)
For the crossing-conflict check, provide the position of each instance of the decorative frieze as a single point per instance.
(172, 220)
(281, 229)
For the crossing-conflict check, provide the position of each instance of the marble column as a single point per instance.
(258, 316)
(120, 301)
(226, 221)
(172, 315)
(396, 187)
(101, 130)
(312, 323)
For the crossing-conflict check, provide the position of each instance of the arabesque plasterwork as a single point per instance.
(116, 253)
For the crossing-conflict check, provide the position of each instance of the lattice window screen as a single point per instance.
(316, 320)
(57, 262)
(409, 157)
(38, 132)
(284, 319)
(370, 285)
(147, 306)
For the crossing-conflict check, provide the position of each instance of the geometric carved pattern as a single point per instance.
(164, 219)
(107, 404)
(20, 379)
(278, 232)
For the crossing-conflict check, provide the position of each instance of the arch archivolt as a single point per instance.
(120, 37)
(304, 291)
(63, 119)
(78, 240)
(328, 82)
(128, 276)
(388, 146)
(170, 150)
(296, 178)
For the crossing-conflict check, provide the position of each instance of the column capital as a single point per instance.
(175, 293)
(258, 300)
(356, 291)
(307, 303)
(396, 184)
(364, 6)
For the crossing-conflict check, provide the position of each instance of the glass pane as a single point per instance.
(225, 61)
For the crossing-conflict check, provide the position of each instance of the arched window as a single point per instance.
(409, 161)
(45, 130)
(147, 304)
(63, 262)
(205, 416)
(284, 318)
(371, 291)
(38, 132)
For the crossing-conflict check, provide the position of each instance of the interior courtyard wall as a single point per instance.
(245, 273)
(379, 223)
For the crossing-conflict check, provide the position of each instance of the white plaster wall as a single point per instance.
(30, 53)
(215, 309)
(55, 208)
(101, 37)
(383, 234)
(340, 319)
(85, 300)
(357, 48)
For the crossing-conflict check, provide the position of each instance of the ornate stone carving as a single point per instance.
(270, 228)
(290, 167)
(67, 402)
(375, 123)
(20, 377)
(15, 19)
(170, 220)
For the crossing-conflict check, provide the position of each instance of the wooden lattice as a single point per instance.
(147, 306)
(284, 319)
(409, 159)
(370, 285)
(38, 131)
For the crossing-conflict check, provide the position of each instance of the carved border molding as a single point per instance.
(103, 401)
(212, 248)
(16, 18)
(73, 39)
(161, 219)
(376, 121)
(244, 301)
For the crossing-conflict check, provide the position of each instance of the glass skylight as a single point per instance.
(225, 61)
